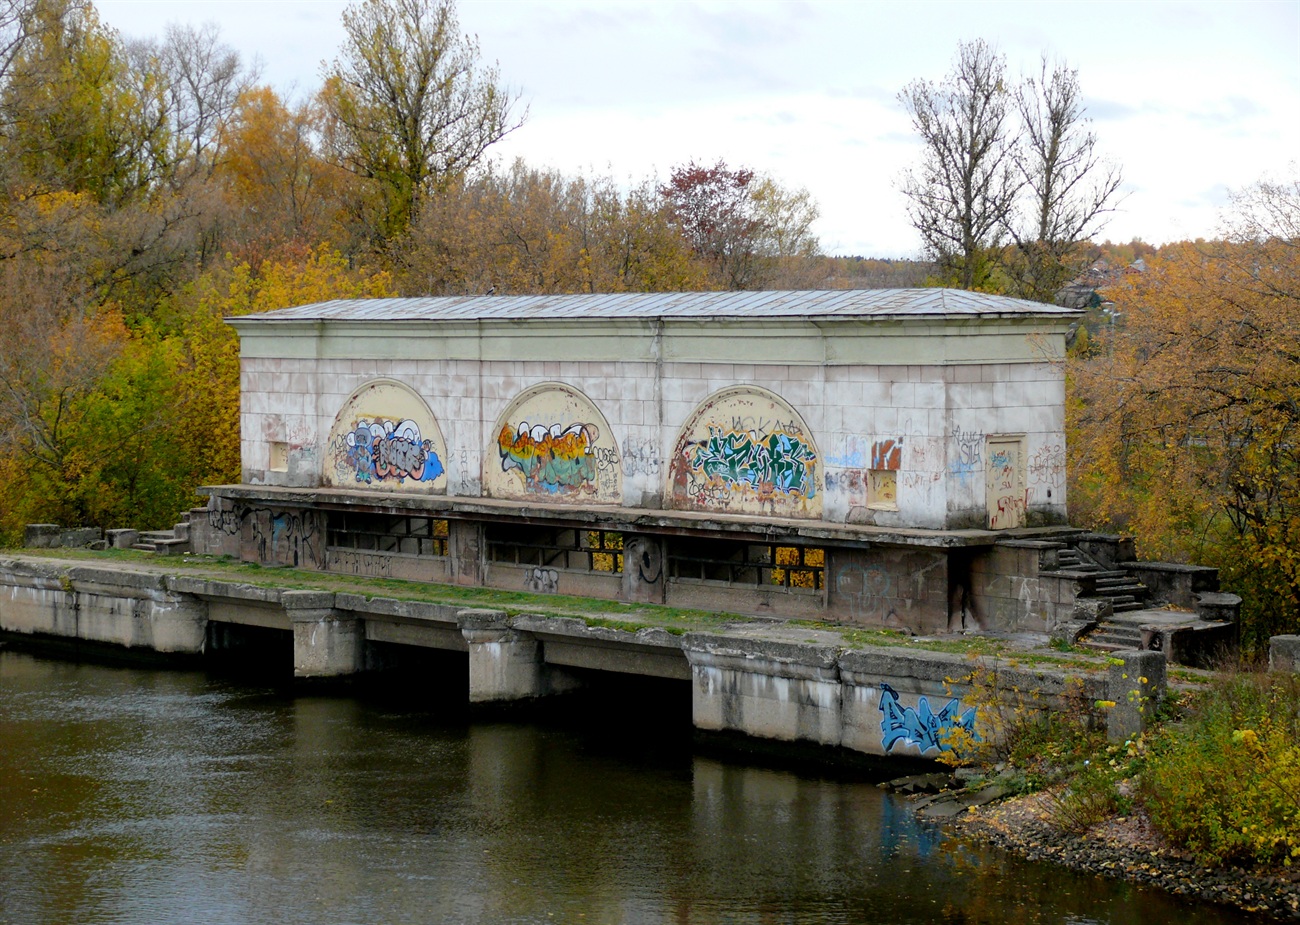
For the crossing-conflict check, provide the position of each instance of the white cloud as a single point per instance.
(1191, 98)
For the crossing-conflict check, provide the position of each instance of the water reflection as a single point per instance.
(139, 796)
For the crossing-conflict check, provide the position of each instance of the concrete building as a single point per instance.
(888, 457)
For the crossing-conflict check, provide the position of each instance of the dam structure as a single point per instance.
(809, 462)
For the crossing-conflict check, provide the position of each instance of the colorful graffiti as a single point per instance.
(570, 457)
(382, 449)
(746, 451)
(764, 463)
(385, 438)
(921, 727)
(887, 455)
(555, 459)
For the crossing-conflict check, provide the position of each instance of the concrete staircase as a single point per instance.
(1124, 592)
(173, 542)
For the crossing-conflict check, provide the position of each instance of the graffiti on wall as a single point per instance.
(922, 727)
(553, 444)
(887, 454)
(553, 459)
(381, 449)
(746, 451)
(1005, 483)
(967, 452)
(542, 580)
(1047, 466)
(385, 438)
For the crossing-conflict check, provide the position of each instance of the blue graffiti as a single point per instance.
(922, 727)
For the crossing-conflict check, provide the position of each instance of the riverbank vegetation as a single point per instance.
(1214, 783)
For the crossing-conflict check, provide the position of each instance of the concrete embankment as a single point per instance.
(771, 680)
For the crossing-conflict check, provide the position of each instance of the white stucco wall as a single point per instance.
(941, 414)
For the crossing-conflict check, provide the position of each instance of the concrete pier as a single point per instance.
(769, 680)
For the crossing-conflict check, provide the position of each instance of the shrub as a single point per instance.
(1225, 785)
(1089, 798)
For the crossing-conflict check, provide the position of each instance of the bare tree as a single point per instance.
(963, 194)
(1070, 188)
(204, 78)
(414, 104)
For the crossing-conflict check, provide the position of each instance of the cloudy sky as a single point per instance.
(1193, 99)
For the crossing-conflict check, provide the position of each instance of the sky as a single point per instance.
(1192, 99)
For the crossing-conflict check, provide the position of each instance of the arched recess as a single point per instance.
(553, 444)
(746, 451)
(385, 438)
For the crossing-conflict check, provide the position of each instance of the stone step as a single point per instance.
(1119, 638)
(1116, 596)
(144, 547)
(1119, 581)
(1124, 608)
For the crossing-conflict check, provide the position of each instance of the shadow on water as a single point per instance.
(142, 796)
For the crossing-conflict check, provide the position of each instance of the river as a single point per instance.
(140, 795)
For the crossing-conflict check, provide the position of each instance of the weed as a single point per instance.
(1225, 783)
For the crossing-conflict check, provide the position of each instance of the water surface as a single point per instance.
(133, 795)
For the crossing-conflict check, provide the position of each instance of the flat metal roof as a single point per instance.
(830, 303)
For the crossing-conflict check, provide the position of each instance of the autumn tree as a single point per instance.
(525, 230)
(75, 119)
(962, 196)
(1068, 187)
(413, 104)
(1185, 423)
(280, 187)
(743, 224)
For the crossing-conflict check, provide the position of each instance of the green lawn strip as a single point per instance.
(593, 611)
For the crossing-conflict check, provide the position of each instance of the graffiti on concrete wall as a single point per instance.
(1047, 466)
(554, 458)
(921, 727)
(285, 537)
(384, 437)
(382, 449)
(542, 580)
(746, 451)
(553, 444)
(1005, 483)
(967, 455)
(887, 454)
(865, 590)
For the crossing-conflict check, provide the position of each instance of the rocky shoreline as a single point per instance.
(1125, 848)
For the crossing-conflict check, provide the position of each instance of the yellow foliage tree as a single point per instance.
(1186, 418)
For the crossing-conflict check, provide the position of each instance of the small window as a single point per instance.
(882, 490)
(279, 456)
(748, 565)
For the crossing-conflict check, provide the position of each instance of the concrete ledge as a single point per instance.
(570, 642)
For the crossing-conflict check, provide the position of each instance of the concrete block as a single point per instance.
(1284, 654)
(122, 539)
(1135, 683)
(42, 536)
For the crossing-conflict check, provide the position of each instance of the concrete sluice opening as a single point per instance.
(632, 717)
(435, 678)
(255, 651)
